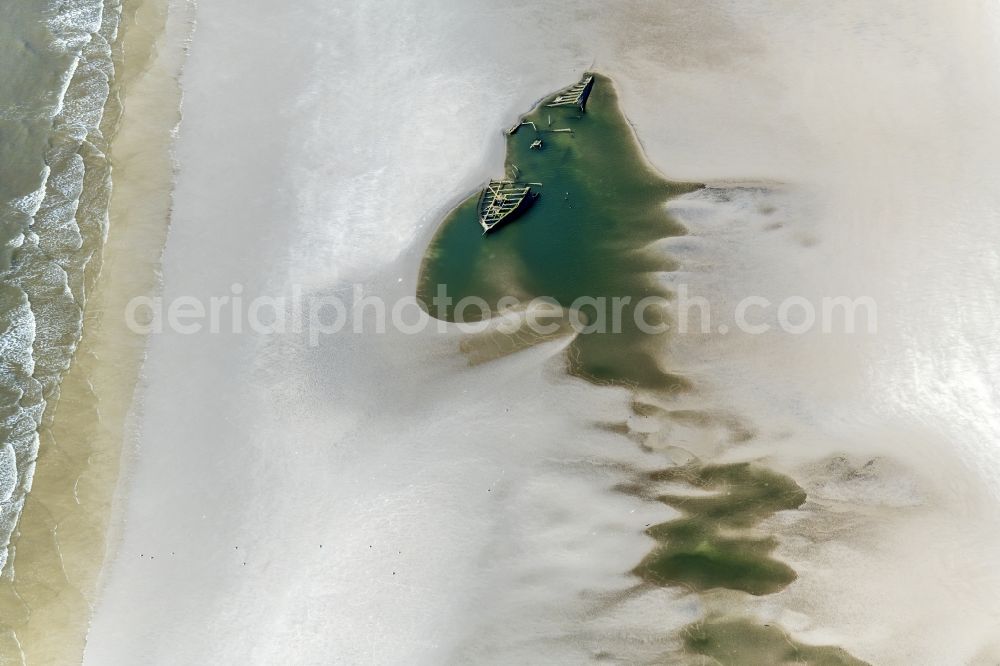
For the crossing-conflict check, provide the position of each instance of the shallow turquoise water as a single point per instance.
(586, 236)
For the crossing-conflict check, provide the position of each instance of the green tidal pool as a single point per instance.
(584, 241)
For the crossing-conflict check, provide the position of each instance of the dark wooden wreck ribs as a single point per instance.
(576, 95)
(502, 201)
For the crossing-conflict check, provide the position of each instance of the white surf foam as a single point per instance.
(54, 242)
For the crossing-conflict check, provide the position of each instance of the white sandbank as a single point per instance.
(374, 500)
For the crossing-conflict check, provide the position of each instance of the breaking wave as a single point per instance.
(53, 215)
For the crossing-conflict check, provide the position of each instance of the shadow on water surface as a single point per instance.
(590, 235)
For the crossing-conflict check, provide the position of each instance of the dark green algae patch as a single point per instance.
(712, 544)
(741, 642)
(589, 236)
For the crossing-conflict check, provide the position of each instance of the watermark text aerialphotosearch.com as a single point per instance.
(354, 311)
